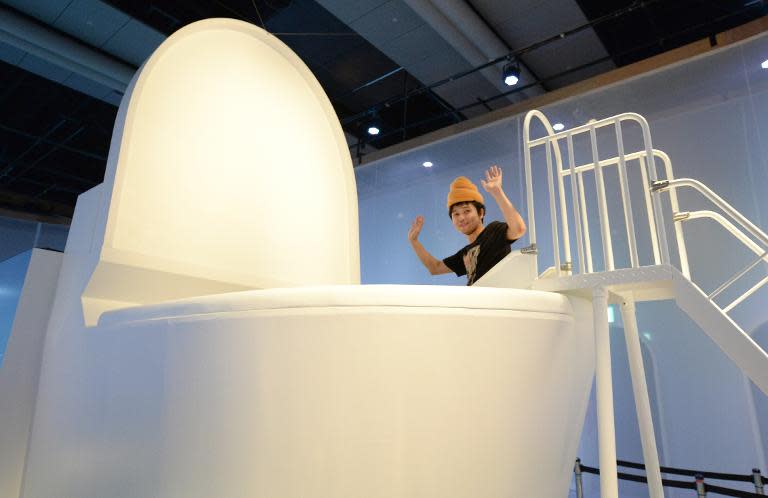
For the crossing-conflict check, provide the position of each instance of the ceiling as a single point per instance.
(65, 63)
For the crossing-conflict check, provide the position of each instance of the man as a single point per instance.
(487, 245)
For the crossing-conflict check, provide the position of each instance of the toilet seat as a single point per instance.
(407, 296)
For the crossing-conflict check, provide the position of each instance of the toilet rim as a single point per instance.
(344, 296)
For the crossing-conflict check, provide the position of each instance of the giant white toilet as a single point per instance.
(210, 338)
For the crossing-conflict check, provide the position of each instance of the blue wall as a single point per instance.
(12, 273)
(17, 238)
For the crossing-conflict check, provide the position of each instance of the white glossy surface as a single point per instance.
(429, 400)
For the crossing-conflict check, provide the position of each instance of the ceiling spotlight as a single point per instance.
(511, 74)
(427, 164)
(558, 126)
(764, 65)
(372, 123)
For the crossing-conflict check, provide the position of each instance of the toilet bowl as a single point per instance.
(340, 392)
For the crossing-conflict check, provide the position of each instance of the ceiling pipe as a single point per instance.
(487, 42)
(461, 28)
(62, 50)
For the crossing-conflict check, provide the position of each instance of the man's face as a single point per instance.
(465, 217)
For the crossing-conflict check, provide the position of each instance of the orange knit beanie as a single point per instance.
(463, 190)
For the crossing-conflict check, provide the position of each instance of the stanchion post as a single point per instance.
(757, 478)
(577, 475)
(701, 491)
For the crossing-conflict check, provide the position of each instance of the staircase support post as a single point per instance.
(609, 482)
(642, 402)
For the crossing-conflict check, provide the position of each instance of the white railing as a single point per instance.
(646, 160)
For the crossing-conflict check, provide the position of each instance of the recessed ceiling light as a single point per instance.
(764, 65)
(558, 126)
(373, 130)
(427, 164)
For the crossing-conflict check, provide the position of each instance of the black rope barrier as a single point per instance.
(729, 492)
(633, 477)
(672, 483)
(688, 472)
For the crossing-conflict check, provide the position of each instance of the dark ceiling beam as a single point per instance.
(449, 109)
(368, 84)
(55, 143)
(49, 187)
(15, 205)
(28, 167)
(13, 163)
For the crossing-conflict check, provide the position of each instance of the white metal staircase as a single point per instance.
(657, 279)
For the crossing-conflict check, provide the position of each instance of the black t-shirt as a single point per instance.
(475, 259)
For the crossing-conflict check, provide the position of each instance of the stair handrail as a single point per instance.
(760, 248)
(664, 185)
(722, 220)
(762, 254)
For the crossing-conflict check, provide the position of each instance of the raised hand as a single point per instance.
(492, 182)
(413, 233)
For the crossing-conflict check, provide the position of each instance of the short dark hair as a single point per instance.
(478, 206)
